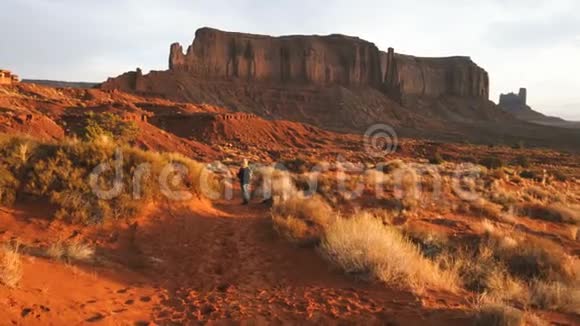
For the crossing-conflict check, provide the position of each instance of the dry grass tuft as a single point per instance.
(478, 270)
(430, 242)
(485, 208)
(362, 245)
(301, 219)
(555, 213)
(555, 296)
(535, 258)
(406, 189)
(498, 314)
(503, 197)
(56, 250)
(572, 232)
(308, 208)
(10, 266)
(391, 166)
(490, 312)
(294, 230)
(504, 287)
(537, 193)
(75, 250)
(79, 251)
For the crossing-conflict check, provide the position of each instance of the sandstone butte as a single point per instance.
(319, 60)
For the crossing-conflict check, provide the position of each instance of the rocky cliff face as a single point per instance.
(334, 59)
(324, 60)
(337, 82)
(406, 75)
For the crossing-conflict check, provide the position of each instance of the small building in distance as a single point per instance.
(7, 78)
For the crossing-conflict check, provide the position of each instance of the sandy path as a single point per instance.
(207, 263)
(229, 265)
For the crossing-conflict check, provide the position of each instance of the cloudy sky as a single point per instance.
(521, 43)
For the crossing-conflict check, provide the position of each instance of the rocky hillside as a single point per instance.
(333, 81)
(201, 131)
(340, 83)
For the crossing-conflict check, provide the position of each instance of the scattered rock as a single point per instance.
(25, 312)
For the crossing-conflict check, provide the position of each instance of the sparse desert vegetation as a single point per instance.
(10, 266)
(499, 314)
(362, 245)
(64, 174)
(70, 251)
(495, 257)
(300, 218)
(502, 245)
(457, 232)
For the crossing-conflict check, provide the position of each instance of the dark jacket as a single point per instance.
(244, 175)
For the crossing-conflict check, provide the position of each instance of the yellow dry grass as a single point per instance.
(362, 245)
(10, 266)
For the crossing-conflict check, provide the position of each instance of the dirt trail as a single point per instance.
(206, 263)
(229, 264)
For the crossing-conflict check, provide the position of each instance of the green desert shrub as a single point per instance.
(63, 173)
(109, 125)
(8, 187)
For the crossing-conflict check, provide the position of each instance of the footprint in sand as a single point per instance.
(97, 317)
(145, 299)
(142, 323)
(118, 311)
